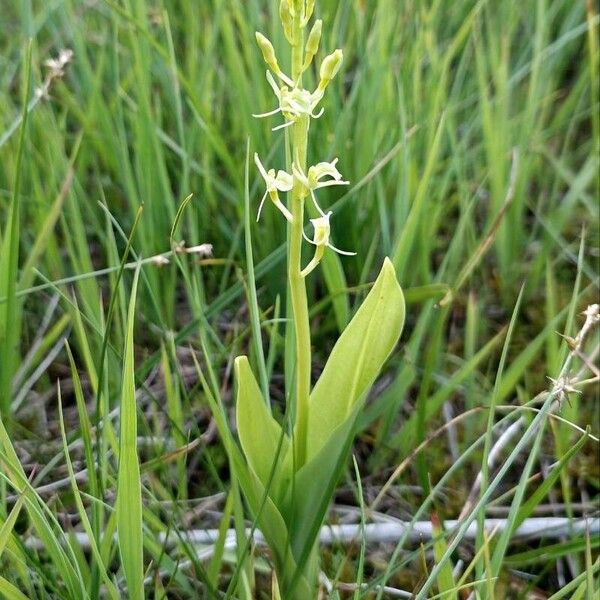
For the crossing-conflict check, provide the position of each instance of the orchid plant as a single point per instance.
(288, 475)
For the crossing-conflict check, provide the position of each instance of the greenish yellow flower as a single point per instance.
(313, 181)
(321, 240)
(293, 103)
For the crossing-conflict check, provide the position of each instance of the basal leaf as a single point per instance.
(314, 485)
(260, 434)
(263, 509)
(356, 358)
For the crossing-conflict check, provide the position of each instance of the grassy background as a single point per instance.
(470, 132)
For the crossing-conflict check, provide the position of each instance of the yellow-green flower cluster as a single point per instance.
(296, 103)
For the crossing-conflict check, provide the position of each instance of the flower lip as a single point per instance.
(325, 169)
(322, 232)
(321, 241)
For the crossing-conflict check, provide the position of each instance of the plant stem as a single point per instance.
(296, 281)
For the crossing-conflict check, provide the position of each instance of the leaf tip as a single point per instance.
(239, 363)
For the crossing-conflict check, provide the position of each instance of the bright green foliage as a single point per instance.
(297, 497)
(470, 133)
(356, 358)
(262, 438)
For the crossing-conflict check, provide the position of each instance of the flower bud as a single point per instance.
(287, 18)
(268, 51)
(310, 7)
(330, 66)
(314, 37)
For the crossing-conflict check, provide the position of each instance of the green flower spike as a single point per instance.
(282, 182)
(312, 181)
(321, 241)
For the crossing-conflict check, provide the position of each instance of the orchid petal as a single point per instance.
(267, 114)
(261, 168)
(260, 207)
(314, 199)
(344, 252)
(287, 124)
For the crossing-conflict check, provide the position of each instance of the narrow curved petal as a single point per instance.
(283, 126)
(267, 114)
(314, 199)
(330, 183)
(261, 168)
(273, 84)
(344, 252)
(307, 238)
(260, 207)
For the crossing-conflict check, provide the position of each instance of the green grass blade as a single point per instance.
(129, 491)
(9, 262)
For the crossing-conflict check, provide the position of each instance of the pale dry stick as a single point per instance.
(375, 533)
(541, 510)
(588, 363)
(158, 260)
(390, 592)
(560, 388)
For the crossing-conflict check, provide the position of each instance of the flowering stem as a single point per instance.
(296, 281)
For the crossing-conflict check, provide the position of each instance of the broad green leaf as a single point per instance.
(356, 358)
(314, 485)
(260, 434)
(269, 518)
(129, 490)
